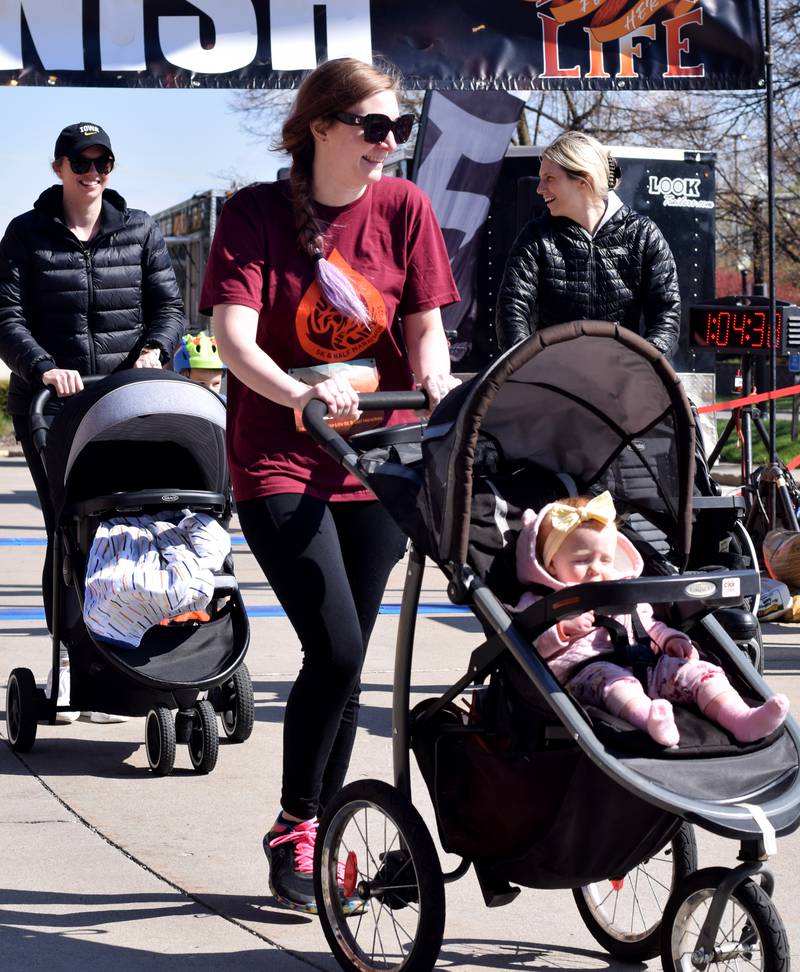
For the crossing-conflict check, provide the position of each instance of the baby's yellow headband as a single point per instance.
(564, 519)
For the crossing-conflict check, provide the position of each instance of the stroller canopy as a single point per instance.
(137, 430)
(588, 399)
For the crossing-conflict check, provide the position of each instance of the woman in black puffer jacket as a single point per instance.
(589, 257)
(86, 288)
(86, 284)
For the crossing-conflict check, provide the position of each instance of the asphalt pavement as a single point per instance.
(106, 866)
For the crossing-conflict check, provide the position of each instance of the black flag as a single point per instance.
(463, 138)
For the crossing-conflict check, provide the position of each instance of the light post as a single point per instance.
(743, 260)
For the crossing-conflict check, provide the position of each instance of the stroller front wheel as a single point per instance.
(376, 862)
(204, 738)
(22, 710)
(624, 916)
(159, 737)
(750, 932)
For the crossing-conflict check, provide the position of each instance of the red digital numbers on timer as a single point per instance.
(718, 322)
(750, 331)
(759, 321)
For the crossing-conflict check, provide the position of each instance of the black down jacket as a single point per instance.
(555, 273)
(90, 307)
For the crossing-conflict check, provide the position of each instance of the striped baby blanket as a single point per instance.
(144, 569)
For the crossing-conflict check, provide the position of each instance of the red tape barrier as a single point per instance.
(750, 400)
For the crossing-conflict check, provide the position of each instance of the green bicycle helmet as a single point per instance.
(198, 351)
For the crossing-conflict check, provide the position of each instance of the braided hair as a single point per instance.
(334, 86)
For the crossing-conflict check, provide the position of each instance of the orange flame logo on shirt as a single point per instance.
(325, 333)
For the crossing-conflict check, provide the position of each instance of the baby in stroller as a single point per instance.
(611, 663)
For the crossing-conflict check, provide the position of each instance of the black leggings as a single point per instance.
(328, 564)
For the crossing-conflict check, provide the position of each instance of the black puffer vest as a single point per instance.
(89, 306)
(555, 273)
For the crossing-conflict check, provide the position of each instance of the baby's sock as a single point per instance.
(746, 724)
(626, 699)
(661, 723)
(656, 718)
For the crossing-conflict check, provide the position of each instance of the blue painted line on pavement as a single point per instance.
(42, 541)
(427, 609)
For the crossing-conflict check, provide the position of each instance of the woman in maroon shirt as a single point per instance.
(335, 268)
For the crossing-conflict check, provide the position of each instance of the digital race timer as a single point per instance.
(740, 329)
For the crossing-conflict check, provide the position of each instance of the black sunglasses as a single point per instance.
(81, 165)
(377, 127)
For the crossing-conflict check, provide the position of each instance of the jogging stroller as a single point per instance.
(528, 786)
(139, 442)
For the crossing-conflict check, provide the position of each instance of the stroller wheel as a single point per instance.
(236, 706)
(204, 738)
(624, 916)
(755, 651)
(751, 933)
(375, 861)
(159, 738)
(22, 710)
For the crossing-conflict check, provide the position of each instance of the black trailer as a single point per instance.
(188, 229)
(674, 187)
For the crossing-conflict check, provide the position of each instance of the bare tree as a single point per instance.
(262, 111)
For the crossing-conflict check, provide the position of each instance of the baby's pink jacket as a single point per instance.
(562, 656)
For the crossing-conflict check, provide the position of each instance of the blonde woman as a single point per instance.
(589, 256)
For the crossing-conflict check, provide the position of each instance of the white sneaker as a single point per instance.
(63, 693)
(103, 717)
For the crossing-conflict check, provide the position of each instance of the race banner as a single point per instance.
(460, 148)
(450, 44)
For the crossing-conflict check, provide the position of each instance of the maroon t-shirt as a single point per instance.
(389, 244)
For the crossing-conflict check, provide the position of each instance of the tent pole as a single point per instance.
(773, 354)
(774, 475)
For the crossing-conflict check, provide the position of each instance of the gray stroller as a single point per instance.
(139, 441)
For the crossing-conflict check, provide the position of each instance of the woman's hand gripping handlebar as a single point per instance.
(338, 448)
(38, 423)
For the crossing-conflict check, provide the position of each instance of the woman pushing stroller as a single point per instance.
(575, 541)
(86, 288)
(310, 276)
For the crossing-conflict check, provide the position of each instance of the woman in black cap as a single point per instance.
(86, 288)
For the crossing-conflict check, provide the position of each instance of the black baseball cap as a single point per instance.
(75, 138)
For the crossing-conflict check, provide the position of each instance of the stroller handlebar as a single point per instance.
(342, 452)
(38, 423)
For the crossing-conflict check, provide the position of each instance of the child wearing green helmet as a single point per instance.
(198, 359)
